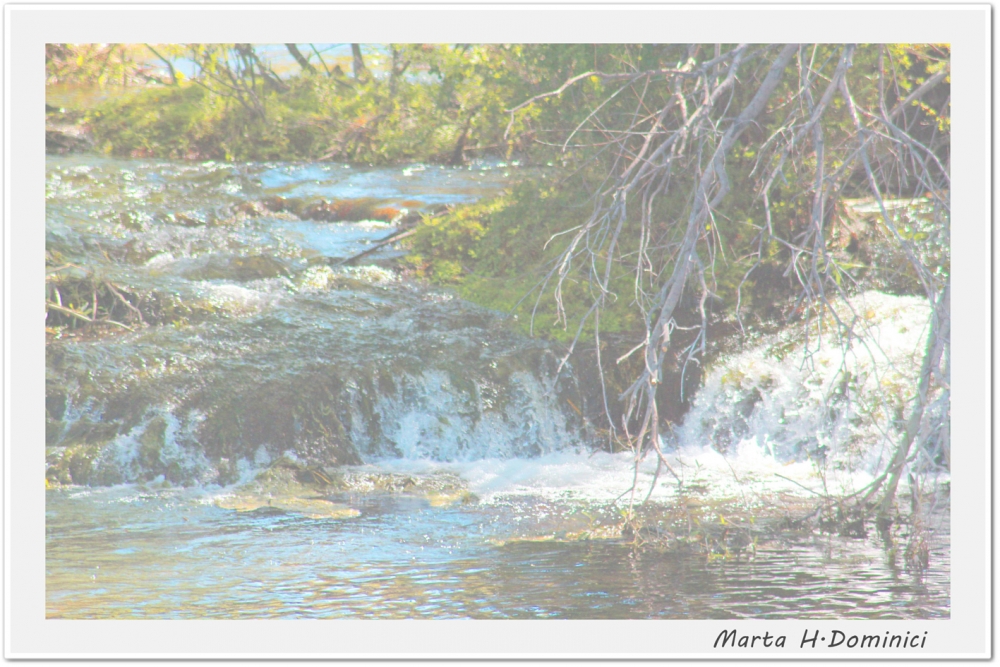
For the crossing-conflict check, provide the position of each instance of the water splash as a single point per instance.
(800, 396)
(430, 417)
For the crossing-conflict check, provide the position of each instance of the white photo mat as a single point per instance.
(966, 634)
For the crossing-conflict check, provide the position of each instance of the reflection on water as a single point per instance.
(127, 553)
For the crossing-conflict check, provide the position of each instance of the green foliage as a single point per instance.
(166, 122)
(96, 64)
(448, 103)
(501, 253)
(497, 253)
(436, 103)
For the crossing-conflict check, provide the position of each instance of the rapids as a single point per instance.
(454, 472)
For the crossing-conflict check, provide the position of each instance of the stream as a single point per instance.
(291, 437)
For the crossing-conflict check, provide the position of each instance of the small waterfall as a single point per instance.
(255, 347)
(797, 397)
(254, 343)
(431, 417)
(220, 416)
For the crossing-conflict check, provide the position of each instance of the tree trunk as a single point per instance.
(458, 153)
(299, 58)
(940, 332)
(360, 71)
(700, 210)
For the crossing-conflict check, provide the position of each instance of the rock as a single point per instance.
(239, 269)
(448, 499)
(188, 220)
(71, 465)
(314, 508)
(349, 210)
(282, 205)
(250, 209)
(279, 488)
(62, 140)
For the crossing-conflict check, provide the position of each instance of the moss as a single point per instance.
(497, 252)
(71, 465)
(151, 443)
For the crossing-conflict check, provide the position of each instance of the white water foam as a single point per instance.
(793, 399)
(175, 450)
(775, 405)
(239, 300)
(430, 418)
(750, 478)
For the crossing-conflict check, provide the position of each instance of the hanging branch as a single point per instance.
(675, 143)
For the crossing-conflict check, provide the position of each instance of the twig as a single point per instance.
(67, 311)
(815, 493)
(81, 316)
(392, 238)
(124, 300)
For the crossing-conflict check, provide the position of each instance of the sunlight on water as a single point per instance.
(125, 553)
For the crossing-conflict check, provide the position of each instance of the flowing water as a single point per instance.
(418, 458)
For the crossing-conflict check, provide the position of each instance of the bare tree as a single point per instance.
(677, 144)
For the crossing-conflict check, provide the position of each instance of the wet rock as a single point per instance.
(135, 252)
(347, 210)
(287, 479)
(71, 465)
(314, 508)
(282, 205)
(279, 488)
(66, 139)
(188, 220)
(239, 269)
(439, 489)
(448, 499)
(151, 443)
(250, 209)
(130, 220)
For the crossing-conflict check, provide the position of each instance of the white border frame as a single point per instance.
(27, 634)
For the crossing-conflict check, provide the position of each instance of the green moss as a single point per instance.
(71, 465)
(497, 252)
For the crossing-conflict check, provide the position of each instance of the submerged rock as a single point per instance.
(306, 489)
(314, 508)
(279, 487)
(238, 269)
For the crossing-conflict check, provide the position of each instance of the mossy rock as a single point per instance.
(73, 464)
(347, 210)
(284, 487)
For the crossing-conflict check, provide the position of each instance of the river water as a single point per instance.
(453, 467)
